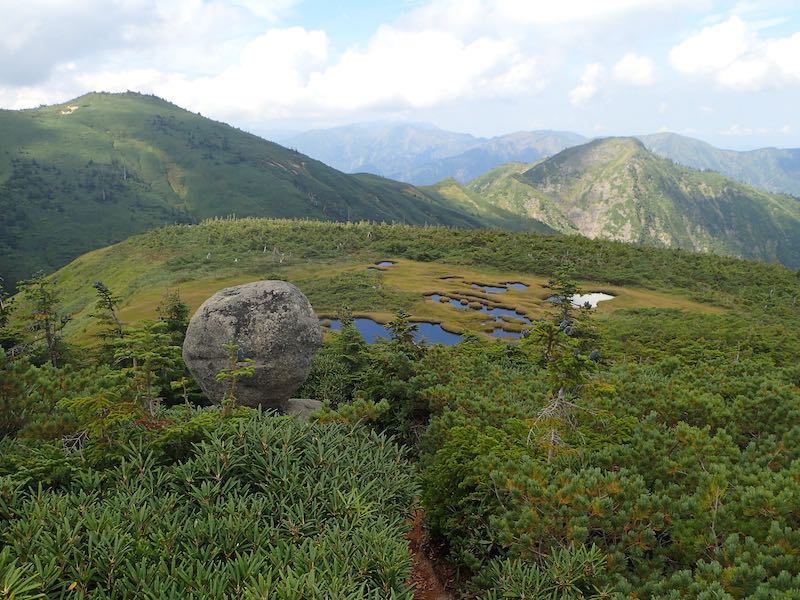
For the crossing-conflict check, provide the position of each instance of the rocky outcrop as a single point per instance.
(272, 323)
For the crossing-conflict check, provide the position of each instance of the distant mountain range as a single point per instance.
(614, 188)
(97, 169)
(423, 154)
(770, 169)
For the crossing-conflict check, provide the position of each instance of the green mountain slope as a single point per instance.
(450, 191)
(771, 169)
(614, 188)
(97, 169)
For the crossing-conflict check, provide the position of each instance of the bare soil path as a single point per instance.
(430, 582)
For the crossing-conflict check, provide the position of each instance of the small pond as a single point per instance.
(490, 289)
(495, 312)
(591, 299)
(506, 312)
(372, 331)
(379, 266)
(452, 301)
(502, 288)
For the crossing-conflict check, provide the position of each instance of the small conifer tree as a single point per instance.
(236, 370)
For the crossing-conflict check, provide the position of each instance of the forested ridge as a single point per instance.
(102, 167)
(641, 452)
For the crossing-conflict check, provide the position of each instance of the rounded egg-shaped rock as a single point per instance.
(273, 324)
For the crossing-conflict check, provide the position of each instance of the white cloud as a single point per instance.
(410, 68)
(712, 49)
(290, 72)
(587, 88)
(38, 36)
(737, 58)
(420, 69)
(271, 73)
(635, 69)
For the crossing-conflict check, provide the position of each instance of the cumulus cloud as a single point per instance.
(39, 36)
(634, 69)
(588, 86)
(422, 68)
(292, 72)
(733, 53)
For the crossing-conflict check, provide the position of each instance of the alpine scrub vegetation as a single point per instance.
(639, 452)
(262, 508)
(658, 483)
(665, 464)
(106, 491)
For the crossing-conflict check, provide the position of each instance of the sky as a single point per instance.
(724, 72)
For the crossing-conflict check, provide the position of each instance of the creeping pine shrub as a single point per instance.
(274, 509)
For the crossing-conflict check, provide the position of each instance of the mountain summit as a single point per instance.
(614, 188)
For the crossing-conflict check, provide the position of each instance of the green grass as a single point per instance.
(329, 261)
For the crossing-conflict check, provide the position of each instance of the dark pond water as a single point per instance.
(383, 263)
(490, 289)
(372, 331)
(453, 302)
(495, 312)
(500, 289)
(506, 312)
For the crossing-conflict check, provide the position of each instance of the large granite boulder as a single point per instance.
(273, 323)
